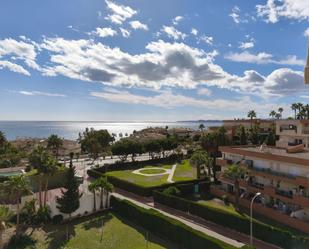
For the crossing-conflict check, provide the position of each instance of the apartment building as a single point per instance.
(231, 126)
(281, 177)
(292, 132)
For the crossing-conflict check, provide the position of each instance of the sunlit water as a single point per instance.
(70, 130)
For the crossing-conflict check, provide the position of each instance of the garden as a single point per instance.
(86, 232)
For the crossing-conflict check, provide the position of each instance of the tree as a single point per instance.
(278, 115)
(251, 114)
(242, 135)
(93, 187)
(201, 127)
(272, 114)
(5, 215)
(46, 165)
(271, 138)
(16, 187)
(54, 143)
(95, 142)
(105, 188)
(152, 147)
(199, 159)
(69, 201)
(254, 134)
(235, 172)
(280, 110)
(3, 140)
(294, 107)
(306, 109)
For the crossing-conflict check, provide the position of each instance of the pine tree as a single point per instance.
(69, 201)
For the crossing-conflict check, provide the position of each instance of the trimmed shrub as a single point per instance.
(165, 227)
(140, 190)
(172, 191)
(57, 219)
(241, 224)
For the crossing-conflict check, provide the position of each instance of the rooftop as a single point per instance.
(269, 153)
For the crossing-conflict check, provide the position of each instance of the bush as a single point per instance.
(172, 191)
(141, 190)
(57, 219)
(43, 215)
(165, 227)
(262, 231)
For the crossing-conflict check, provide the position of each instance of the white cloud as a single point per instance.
(264, 58)
(20, 50)
(105, 32)
(163, 65)
(306, 33)
(291, 9)
(172, 32)
(119, 12)
(125, 33)
(194, 31)
(177, 19)
(38, 93)
(204, 91)
(168, 99)
(207, 39)
(13, 67)
(246, 45)
(138, 25)
(235, 15)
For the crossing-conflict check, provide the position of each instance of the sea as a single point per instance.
(70, 129)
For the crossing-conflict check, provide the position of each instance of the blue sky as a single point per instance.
(151, 60)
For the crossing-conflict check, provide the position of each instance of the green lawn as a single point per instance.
(260, 218)
(86, 234)
(184, 172)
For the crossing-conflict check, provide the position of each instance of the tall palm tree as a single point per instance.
(235, 172)
(93, 187)
(294, 107)
(5, 215)
(105, 188)
(251, 114)
(48, 169)
(199, 159)
(299, 108)
(278, 115)
(272, 114)
(54, 143)
(280, 110)
(16, 187)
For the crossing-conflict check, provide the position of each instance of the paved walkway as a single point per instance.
(170, 176)
(225, 234)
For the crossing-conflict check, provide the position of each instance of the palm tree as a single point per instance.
(294, 107)
(54, 143)
(278, 115)
(41, 160)
(201, 127)
(49, 169)
(251, 114)
(299, 108)
(272, 114)
(92, 187)
(5, 215)
(199, 159)
(306, 109)
(105, 188)
(280, 110)
(235, 172)
(16, 187)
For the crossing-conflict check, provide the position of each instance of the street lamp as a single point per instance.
(251, 207)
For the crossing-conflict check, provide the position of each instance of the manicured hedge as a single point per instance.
(262, 231)
(140, 190)
(165, 227)
(132, 165)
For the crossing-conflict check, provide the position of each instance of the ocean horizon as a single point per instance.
(70, 129)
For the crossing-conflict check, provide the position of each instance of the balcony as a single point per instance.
(223, 162)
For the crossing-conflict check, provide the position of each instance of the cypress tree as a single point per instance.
(69, 201)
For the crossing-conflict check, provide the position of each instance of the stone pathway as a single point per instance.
(170, 172)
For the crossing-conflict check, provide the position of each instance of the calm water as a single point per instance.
(70, 130)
